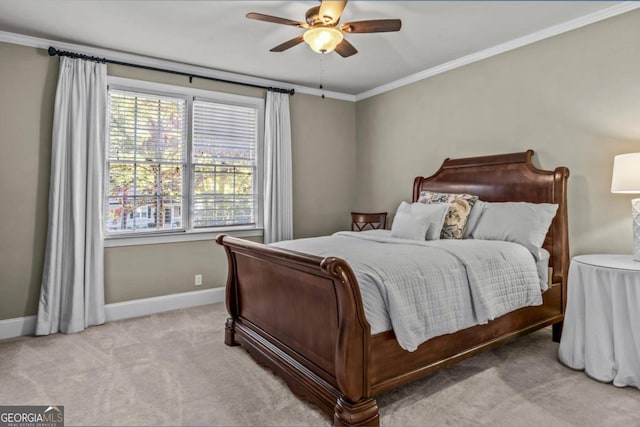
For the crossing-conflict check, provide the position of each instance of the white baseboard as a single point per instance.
(16, 327)
(19, 326)
(142, 307)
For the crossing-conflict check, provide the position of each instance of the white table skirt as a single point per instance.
(601, 331)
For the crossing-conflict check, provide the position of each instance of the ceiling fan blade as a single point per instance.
(288, 44)
(331, 11)
(345, 49)
(372, 26)
(275, 19)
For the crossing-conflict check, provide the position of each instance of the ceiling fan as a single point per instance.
(322, 30)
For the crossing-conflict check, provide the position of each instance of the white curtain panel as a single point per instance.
(278, 200)
(72, 292)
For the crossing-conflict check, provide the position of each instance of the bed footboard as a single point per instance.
(302, 316)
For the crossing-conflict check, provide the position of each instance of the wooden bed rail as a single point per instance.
(321, 327)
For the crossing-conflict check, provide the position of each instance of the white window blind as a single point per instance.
(224, 155)
(145, 162)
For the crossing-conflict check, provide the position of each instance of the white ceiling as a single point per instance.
(217, 35)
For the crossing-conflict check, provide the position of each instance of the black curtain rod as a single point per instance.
(53, 52)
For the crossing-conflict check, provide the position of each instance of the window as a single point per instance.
(224, 165)
(181, 160)
(146, 161)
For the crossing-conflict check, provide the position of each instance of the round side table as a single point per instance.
(601, 331)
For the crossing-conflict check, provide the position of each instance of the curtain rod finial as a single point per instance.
(52, 51)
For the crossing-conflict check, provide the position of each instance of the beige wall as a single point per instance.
(324, 157)
(27, 89)
(133, 272)
(322, 162)
(574, 99)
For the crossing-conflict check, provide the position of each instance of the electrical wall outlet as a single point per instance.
(198, 279)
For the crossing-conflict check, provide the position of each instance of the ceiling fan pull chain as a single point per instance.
(322, 74)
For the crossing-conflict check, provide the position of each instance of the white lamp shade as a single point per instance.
(626, 173)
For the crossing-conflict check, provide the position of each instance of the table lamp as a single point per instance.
(626, 179)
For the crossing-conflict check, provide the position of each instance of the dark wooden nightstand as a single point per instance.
(368, 221)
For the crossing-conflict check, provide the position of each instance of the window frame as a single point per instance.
(187, 232)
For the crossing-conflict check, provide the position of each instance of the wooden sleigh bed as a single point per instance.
(302, 315)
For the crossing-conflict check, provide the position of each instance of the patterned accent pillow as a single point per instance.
(458, 214)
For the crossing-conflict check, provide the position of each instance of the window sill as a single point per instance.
(155, 239)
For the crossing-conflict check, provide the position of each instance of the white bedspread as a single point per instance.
(423, 289)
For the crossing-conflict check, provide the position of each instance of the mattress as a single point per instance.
(422, 289)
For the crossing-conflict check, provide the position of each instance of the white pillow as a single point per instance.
(474, 218)
(519, 222)
(419, 221)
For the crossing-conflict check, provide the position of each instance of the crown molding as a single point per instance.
(42, 43)
(503, 47)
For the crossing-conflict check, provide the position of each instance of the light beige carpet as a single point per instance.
(173, 369)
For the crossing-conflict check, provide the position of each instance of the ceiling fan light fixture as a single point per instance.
(322, 32)
(323, 39)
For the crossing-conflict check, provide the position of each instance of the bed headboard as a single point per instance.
(510, 178)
